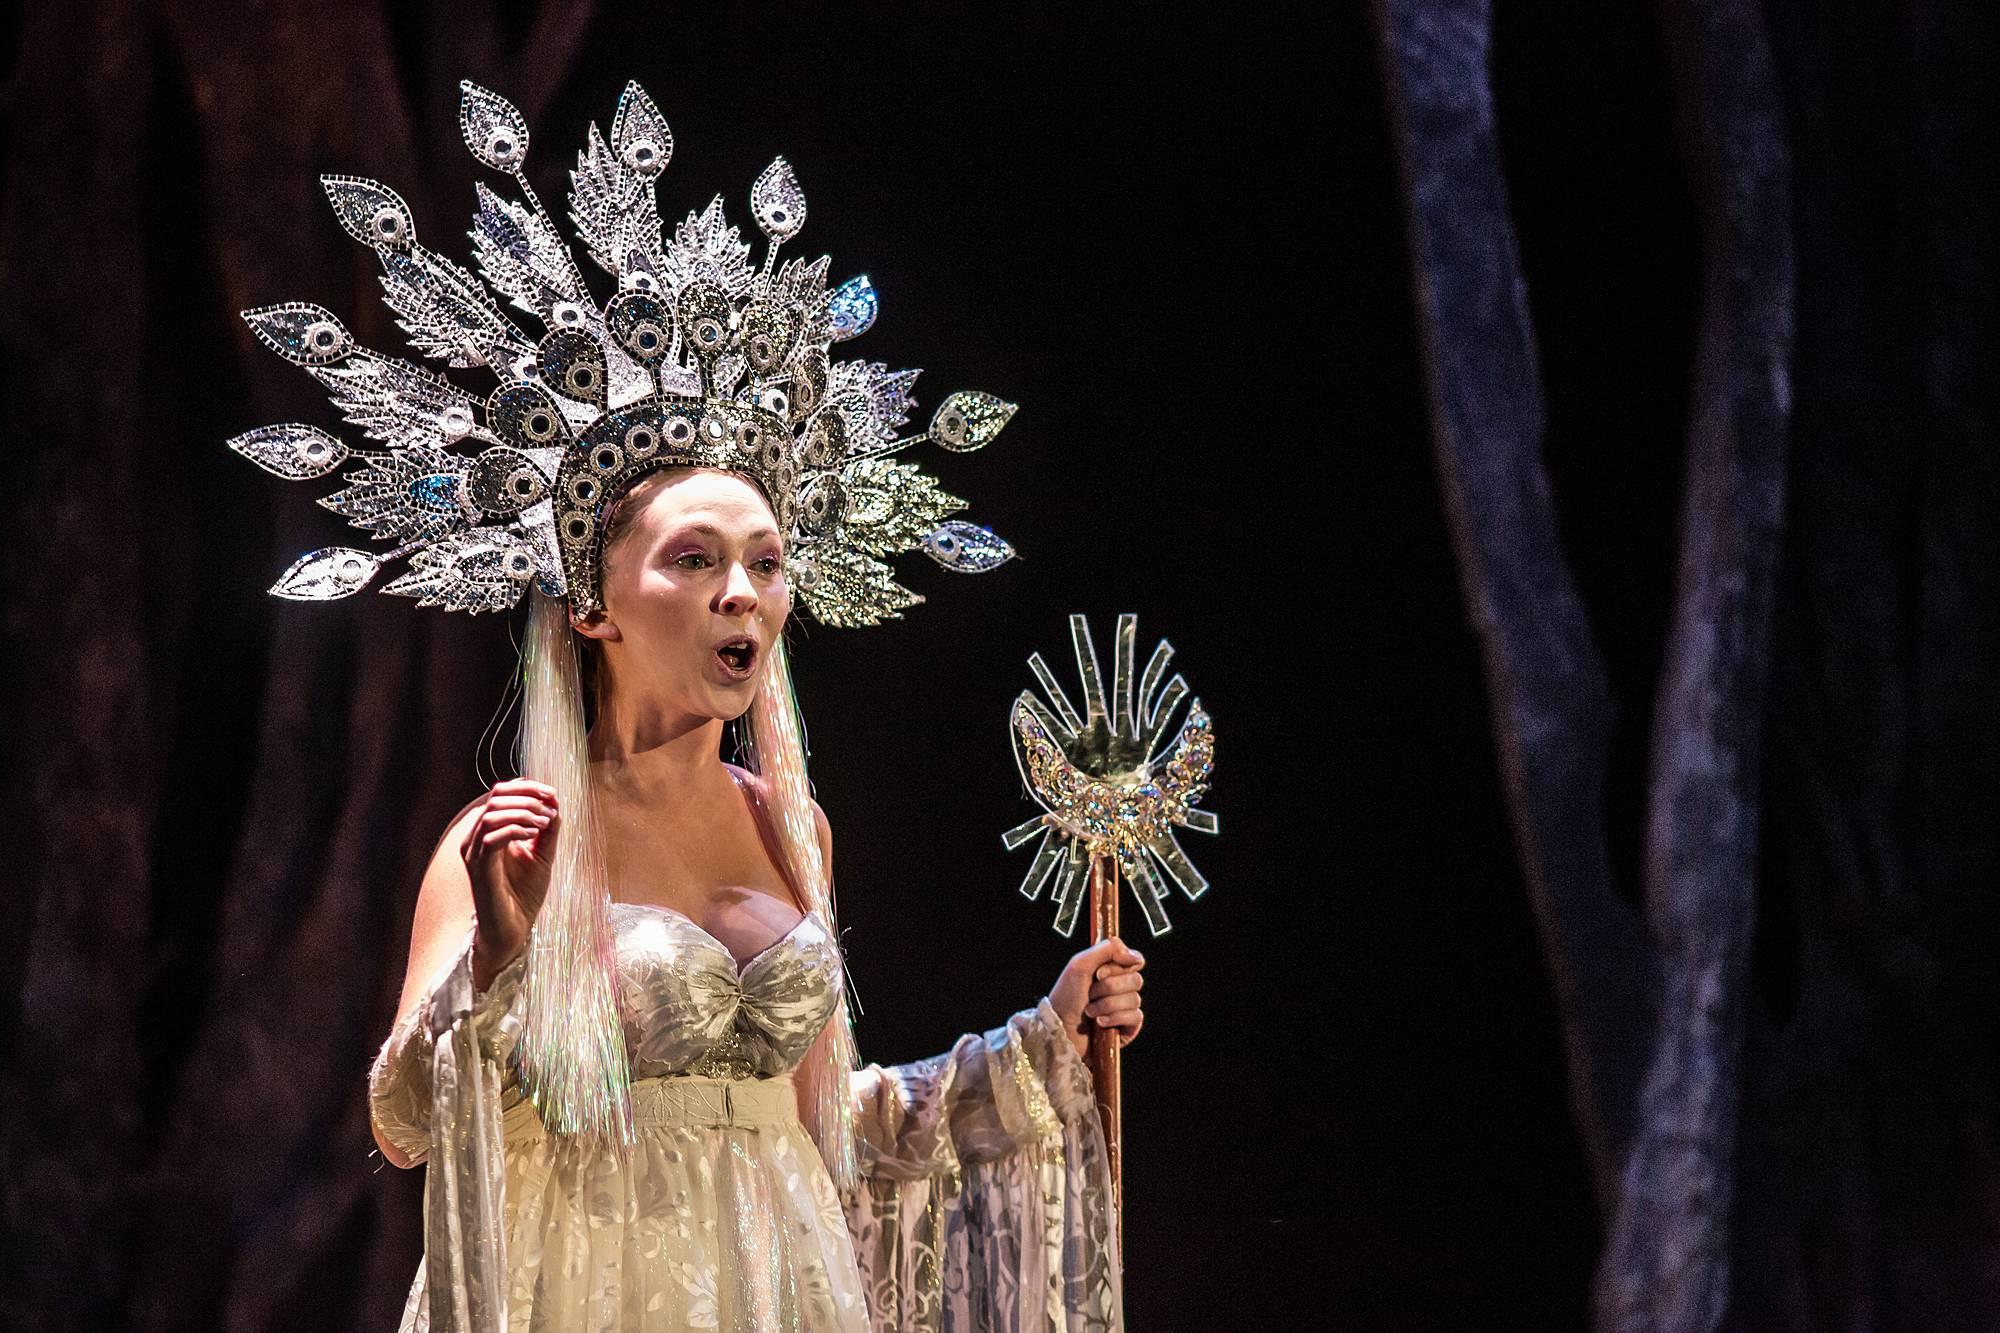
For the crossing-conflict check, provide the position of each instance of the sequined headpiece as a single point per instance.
(698, 360)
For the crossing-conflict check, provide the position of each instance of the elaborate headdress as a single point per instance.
(699, 359)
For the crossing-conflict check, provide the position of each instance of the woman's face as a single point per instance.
(694, 595)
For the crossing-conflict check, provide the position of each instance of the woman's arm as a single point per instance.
(488, 855)
(985, 1187)
(1098, 987)
(996, 1142)
(399, 1086)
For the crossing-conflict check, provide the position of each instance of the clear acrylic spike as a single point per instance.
(1156, 671)
(1057, 699)
(1146, 887)
(1163, 716)
(1086, 667)
(1179, 869)
(1047, 858)
(1071, 888)
(1124, 651)
(1014, 839)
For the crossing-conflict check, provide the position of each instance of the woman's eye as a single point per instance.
(767, 565)
(692, 560)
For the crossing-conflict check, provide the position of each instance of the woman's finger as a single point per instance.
(1124, 954)
(516, 812)
(521, 801)
(1107, 951)
(1115, 985)
(523, 786)
(517, 823)
(493, 840)
(491, 817)
(513, 817)
(1112, 1004)
(1092, 958)
(525, 850)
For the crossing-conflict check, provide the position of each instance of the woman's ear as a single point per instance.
(596, 625)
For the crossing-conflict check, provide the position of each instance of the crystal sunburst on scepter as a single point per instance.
(1113, 790)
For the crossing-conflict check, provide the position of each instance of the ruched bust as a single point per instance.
(690, 1008)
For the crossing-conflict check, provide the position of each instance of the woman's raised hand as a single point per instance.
(509, 850)
(1099, 989)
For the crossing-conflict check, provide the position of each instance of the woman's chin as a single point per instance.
(729, 700)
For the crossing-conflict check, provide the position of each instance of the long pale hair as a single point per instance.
(572, 1046)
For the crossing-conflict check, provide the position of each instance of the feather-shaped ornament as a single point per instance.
(603, 193)
(778, 204)
(639, 134)
(398, 402)
(892, 506)
(853, 308)
(294, 451)
(370, 211)
(967, 548)
(407, 495)
(611, 193)
(520, 254)
(495, 131)
(484, 569)
(848, 589)
(303, 333)
(969, 420)
(706, 246)
(326, 575)
(446, 314)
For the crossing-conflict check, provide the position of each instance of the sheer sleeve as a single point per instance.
(434, 1093)
(985, 1192)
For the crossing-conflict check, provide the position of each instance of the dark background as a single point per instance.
(1127, 225)
(1176, 238)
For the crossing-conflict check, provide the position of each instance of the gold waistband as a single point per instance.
(685, 1102)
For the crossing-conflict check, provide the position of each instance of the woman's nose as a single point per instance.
(739, 595)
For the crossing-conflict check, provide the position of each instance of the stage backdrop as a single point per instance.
(1559, 437)
(218, 803)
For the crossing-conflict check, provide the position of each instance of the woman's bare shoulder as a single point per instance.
(760, 790)
(443, 909)
(457, 824)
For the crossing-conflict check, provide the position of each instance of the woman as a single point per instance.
(623, 1048)
(725, 981)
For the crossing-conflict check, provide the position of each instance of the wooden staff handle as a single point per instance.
(1105, 1042)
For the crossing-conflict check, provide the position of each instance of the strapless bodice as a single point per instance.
(690, 1009)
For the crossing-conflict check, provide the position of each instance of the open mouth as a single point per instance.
(737, 655)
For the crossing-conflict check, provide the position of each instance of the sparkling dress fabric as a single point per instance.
(984, 1201)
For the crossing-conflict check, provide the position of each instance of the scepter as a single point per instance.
(1112, 791)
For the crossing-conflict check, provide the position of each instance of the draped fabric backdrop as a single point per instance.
(219, 804)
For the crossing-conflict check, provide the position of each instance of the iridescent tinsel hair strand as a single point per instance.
(572, 1046)
(778, 755)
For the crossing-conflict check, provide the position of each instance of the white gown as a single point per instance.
(984, 1201)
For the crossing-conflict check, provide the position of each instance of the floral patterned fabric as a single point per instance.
(984, 1202)
(985, 1197)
